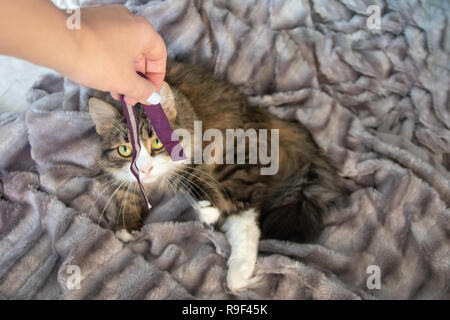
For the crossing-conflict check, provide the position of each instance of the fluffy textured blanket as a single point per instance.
(376, 100)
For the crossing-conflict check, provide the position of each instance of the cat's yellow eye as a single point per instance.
(124, 150)
(156, 144)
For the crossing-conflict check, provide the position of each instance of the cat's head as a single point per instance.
(153, 162)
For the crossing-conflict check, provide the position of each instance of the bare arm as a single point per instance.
(104, 53)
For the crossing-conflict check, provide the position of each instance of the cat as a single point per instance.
(236, 198)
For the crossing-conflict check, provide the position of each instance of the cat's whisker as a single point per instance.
(122, 206)
(186, 181)
(185, 186)
(211, 177)
(200, 188)
(130, 195)
(204, 181)
(166, 179)
(169, 180)
(118, 211)
(110, 184)
(107, 203)
(187, 191)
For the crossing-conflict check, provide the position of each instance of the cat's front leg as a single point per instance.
(208, 214)
(243, 234)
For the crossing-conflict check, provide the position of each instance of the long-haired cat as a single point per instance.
(236, 198)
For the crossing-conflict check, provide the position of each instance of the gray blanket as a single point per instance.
(376, 100)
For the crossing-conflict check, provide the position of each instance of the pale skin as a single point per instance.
(104, 54)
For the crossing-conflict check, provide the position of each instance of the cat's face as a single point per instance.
(153, 162)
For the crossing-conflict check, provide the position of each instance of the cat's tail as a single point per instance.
(295, 209)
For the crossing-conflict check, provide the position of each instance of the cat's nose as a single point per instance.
(146, 170)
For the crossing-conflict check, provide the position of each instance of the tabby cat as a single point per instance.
(236, 198)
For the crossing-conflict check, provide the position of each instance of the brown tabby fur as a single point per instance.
(290, 204)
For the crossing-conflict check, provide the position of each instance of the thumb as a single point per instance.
(142, 90)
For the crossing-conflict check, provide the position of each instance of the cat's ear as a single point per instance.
(168, 101)
(104, 115)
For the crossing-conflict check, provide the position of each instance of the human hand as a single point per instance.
(112, 45)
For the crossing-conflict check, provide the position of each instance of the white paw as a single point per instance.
(239, 274)
(208, 214)
(204, 203)
(125, 236)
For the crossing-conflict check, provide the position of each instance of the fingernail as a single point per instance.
(155, 98)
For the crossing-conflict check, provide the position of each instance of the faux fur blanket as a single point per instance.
(376, 100)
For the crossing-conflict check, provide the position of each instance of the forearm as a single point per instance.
(40, 35)
(105, 53)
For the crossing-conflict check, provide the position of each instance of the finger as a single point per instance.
(142, 90)
(115, 96)
(153, 70)
(155, 50)
(130, 101)
(156, 78)
(139, 64)
(156, 66)
(156, 71)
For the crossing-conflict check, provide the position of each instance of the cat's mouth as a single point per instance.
(148, 179)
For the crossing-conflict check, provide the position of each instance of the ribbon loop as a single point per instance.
(162, 128)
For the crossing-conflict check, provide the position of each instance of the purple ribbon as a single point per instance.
(162, 129)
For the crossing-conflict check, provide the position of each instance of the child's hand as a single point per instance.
(113, 44)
